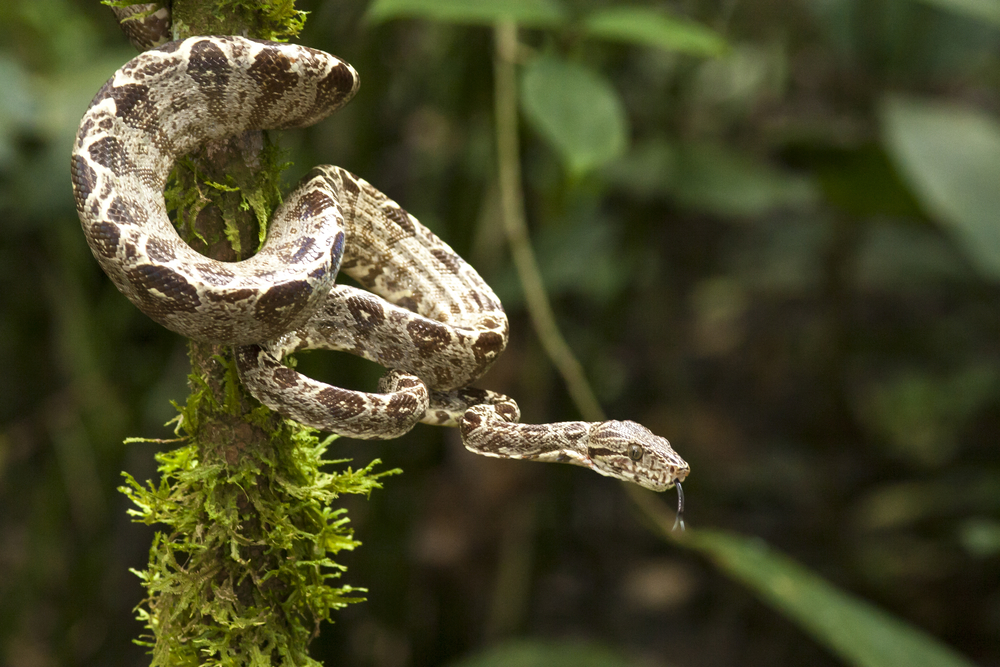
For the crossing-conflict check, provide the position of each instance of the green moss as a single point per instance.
(242, 573)
(232, 208)
(241, 570)
(273, 20)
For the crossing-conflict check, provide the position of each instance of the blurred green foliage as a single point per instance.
(784, 259)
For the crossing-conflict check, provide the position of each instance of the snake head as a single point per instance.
(630, 451)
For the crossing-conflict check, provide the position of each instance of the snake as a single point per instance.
(420, 310)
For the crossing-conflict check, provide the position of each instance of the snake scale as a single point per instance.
(424, 313)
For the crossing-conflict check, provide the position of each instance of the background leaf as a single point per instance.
(985, 10)
(526, 12)
(576, 110)
(856, 630)
(950, 155)
(647, 26)
(710, 178)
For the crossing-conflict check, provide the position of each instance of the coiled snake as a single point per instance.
(425, 313)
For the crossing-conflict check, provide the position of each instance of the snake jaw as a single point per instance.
(655, 466)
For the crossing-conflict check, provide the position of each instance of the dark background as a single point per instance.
(756, 279)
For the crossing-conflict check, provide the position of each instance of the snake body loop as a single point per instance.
(424, 313)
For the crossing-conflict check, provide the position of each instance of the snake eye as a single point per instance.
(635, 452)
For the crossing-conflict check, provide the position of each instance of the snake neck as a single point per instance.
(486, 433)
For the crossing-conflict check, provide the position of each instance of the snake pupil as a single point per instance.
(635, 452)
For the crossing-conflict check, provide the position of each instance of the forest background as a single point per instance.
(770, 231)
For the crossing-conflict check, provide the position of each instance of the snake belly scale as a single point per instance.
(424, 313)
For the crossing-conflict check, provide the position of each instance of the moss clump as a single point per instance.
(273, 20)
(242, 573)
(224, 213)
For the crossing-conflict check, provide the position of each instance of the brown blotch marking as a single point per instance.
(85, 128)
(285, 377)
(341, 403)
(389, 355)
(109, 152)
(169, 47)
(130, 251)
(471, 395)
(401, 406)
(151, 68)
(428, 337)
(231, 296)
(102, 94)
(159, 251)
(313, 204)
(506, 410)
(337, 251)
(104, 238)
(214, 274)
(407, 302)
(131, 102)
(487, 347)
(449, 259)
(174, 288)
(121, 213)
(209, 68)
(272, 71)
(334, 88)
(278, 303)
(349, 184)
(478, 299)
(318, 273)
(368, 313)
(470, 422)
(306, 244)
(395, 214)
(84, 178)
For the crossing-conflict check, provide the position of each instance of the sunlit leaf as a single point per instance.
(718, 180)
(950, 156)
(984, 10)
(576, 110)
(860, 633)
(525, 12)
(647, 26)
(535, 653)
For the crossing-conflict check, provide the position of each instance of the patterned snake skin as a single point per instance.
(425, 314)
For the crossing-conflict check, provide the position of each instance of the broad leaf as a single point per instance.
(860, 633)
(649, 27)
(984, 10)
(576, 110)
(526, 12)
(950, 156)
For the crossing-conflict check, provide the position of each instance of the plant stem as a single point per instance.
(536, 298)
(512, 206)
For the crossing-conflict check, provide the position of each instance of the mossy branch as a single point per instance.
(241, 570)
